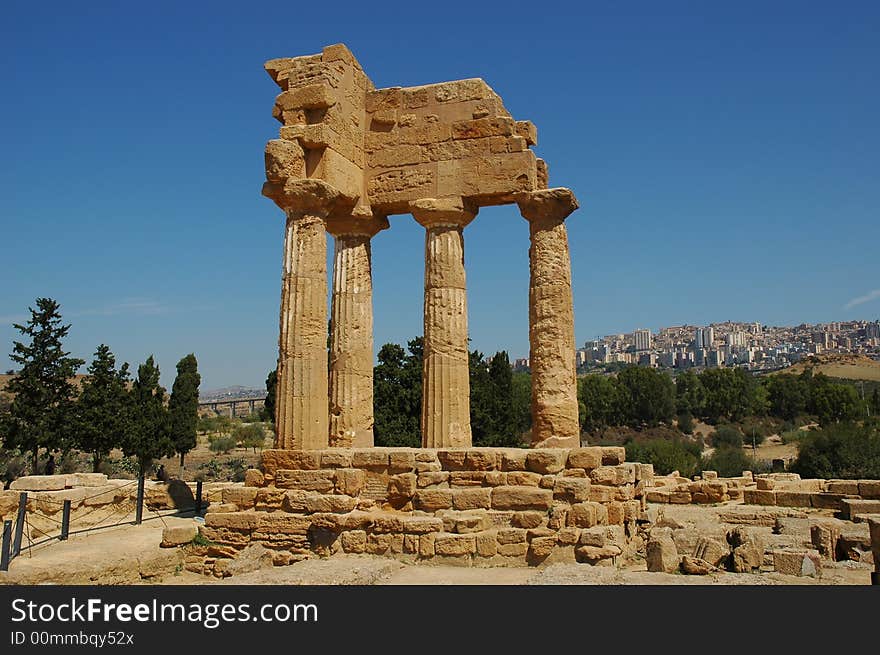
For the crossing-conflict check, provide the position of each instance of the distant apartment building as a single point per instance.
(704, 337)
(872, 330)
(642, 340)
(736, 339)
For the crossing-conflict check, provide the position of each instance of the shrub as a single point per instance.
(667, 455)
(686, 423)
(223, 444)
(846, 450)
(727, 435)
(792, 436)
(730, 462)
(251, 435)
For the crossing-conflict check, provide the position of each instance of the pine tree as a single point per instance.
(42, 407)
(501, 379)
(103, 407)
(150, 435)
(183, 406)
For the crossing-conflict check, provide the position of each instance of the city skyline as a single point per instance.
(725, 159)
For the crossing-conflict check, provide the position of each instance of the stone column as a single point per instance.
(446, 421)
(351, 332)
(301, 414)
(551, 320)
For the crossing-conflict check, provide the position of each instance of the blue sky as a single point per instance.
(725, 155)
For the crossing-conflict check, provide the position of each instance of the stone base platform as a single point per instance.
(473, 506)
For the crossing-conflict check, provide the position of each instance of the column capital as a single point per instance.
(452, 211)
(352, 224)
(552, 205)
(310, 196)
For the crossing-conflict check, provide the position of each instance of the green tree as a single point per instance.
(875, 402)
(832, 402)
(727, 435)
(730, 394)
(183, 406)
(271, 391)
(651, 395)
(521, 403)
(788, 395)
(103, 409)
(843, 450)
(604, 402)
(251, 435)
(491, 401)
(150, 435)
(690, 396)
(667, 455)
(729, 462)
(397, 395)
(43, 402)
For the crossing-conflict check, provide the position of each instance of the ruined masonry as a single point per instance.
(350, 155)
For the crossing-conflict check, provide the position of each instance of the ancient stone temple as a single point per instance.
(350, 155)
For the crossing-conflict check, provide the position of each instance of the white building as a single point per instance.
(642, 339)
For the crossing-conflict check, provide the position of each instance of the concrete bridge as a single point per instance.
(232, 407)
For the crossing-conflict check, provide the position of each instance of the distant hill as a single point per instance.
(849, 367)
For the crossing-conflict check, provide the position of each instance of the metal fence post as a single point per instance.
(139, 509)
(5, 545)
(19, 524)
(65, 521)
(198, 496)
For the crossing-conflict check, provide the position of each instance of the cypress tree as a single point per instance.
(42, 406)
(150, 435)
(183, 406)
(269, 404)
(103, 407)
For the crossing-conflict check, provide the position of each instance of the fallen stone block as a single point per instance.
(798, 562)
(851, 507)
(661, 553)
(696, 566)
(39, 483)
(177, 535)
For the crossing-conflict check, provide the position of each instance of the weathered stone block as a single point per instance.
(523, 479)
(254, 478)
(475, 498)
(432, 478)
(613, 455)
(335, 503)
(869, 489)
(242, 497)
(354, 541)
(513, 459)
(321, 480)
(530, 519)
(426, 544)
(430, 500)
(573, 490)
(39, 483)
(585, 458)
(401, 488)
(513, 550)
(521, 498)
(454, 544)
(661, 554)
(421, 524)
(793, 498)
(541, 547)
(234, 521)
(177, 535)
(486, 543)
(467, 478)
(350, 481)
(798, 562)
(374, 458)
(401, 461)
(452, 460)
(336, 458)
(583, 515)
(546, 460)
(496, 479)
(480, 460)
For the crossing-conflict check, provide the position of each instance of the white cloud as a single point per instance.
(861, 300)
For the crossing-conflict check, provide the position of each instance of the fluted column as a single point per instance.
(551, 320)
(301, 413)
(351, 332)
(446, 421)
